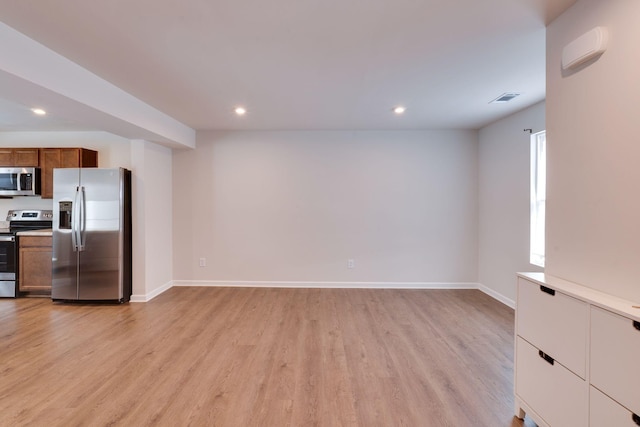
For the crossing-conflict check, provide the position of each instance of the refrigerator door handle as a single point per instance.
(82, 220)
(74, 221)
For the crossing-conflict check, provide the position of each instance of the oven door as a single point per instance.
(7, 265)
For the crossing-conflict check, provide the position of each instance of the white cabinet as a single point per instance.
(615, 357)
(554, 323)
(577, 355)
(606, 412)
(541, 382)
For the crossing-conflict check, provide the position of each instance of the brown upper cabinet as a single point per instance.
(51, 158)
(19, 157)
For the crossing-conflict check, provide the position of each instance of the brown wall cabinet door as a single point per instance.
(6, 157)
(51, 158)
(26, 157)
(22, 157)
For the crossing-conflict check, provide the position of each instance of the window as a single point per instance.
(538, 196)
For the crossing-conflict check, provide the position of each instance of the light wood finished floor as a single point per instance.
(260, 357)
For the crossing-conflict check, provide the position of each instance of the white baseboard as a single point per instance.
(151, 295)
(334, 285)
(329, 285)
(497, 296)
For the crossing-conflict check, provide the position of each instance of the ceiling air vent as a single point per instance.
(505, 97)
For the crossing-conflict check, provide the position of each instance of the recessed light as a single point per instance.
(505, 97)
(241, 111)
(399, 109)
(38, 111)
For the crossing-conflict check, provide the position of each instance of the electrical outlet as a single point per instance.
(203, 262)
(351, 263)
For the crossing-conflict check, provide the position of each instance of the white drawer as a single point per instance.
(559, 396)
(605, 412)
(556, 324)
(615, 357)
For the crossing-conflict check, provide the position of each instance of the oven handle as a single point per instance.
(7, 239)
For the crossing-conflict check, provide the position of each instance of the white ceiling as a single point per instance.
(300, 64)
(15, 116)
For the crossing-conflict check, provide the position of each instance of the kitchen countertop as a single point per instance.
(43, 232)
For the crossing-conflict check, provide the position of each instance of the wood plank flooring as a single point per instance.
(260, 357)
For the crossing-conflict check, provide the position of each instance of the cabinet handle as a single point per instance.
(636, 419)
(546, 357)
(547, 290)
(636, 324)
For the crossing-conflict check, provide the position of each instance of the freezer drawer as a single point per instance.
(7, 288)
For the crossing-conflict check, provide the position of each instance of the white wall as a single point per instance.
(113, 151)
(294, 206)
(593, 203)
(152, 219)
(503, 162)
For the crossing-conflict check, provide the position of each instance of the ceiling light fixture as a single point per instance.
(241, 111)
(399, 109)
(38, 111)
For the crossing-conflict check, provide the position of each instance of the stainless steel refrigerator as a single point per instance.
(91, 235)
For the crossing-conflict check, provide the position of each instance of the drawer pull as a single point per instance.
(636, 324)
(636, 419)
(547, 290)
(546, 357)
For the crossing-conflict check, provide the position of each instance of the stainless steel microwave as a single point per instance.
(19, 181)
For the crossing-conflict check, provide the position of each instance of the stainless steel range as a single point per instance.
(19, 220)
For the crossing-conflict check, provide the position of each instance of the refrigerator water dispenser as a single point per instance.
(65, 215)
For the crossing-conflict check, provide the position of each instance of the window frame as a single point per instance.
(538, 198)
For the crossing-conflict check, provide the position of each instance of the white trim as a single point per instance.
(151, 295)
(538, 197)
(337, 285)
(139, 298)
(329, 285)
(497, 296)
